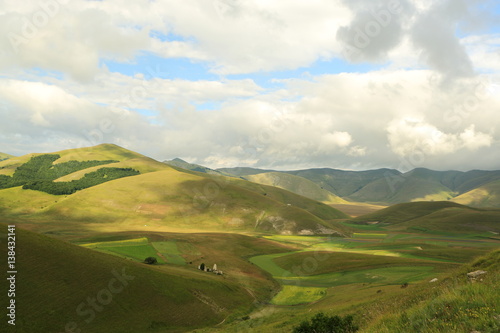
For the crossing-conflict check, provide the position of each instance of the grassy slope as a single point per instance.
(99, 152)
(438, 216)
(55, 277)
(4, 156)
(452, 305)
(343, 183)
(343, 262)
(173, 199)
(296, 184)
(402, 189)
(487, 195)
(141, 164)
(405, 211)
(167, 198)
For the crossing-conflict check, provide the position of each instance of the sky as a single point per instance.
(345, 84)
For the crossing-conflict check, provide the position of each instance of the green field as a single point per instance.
(138, 249)
(170, 251)
(293, 295)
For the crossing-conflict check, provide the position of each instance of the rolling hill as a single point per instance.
(64, 287)
(161, 198)
(296, 184)
(442, 216)
(487, 195)
(4, 156)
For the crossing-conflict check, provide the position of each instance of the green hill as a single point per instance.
(169, 199)
(343, 183)
(4, 156)
(61, 286)
(487, 195)
(296, 184)
(442, 216)
(159, 198)
(406, 211)
(402, 189)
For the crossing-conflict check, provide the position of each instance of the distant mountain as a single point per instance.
(344, 183)
(389, 186)
(296, 184)
(179, 163)
(242, 171)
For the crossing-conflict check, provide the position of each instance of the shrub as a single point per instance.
(322, 323)
(150, 260)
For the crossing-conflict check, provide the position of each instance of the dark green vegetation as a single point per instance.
(322, 323)
(40, 172)
(90, 179)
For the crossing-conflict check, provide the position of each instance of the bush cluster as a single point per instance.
(322, 323)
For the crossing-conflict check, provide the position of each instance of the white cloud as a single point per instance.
(61, 93)
(409, 136)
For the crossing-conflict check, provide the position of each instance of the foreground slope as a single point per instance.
(62, 287)
(456, 304)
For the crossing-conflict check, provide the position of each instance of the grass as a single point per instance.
(316, 263)
(487, 195)
(293, 295)
(456, 305)
(55, 277)
(444, 217)
(296, 184)
(138, 249)
(170, 251)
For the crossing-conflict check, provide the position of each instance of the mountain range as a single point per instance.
(383, 186)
